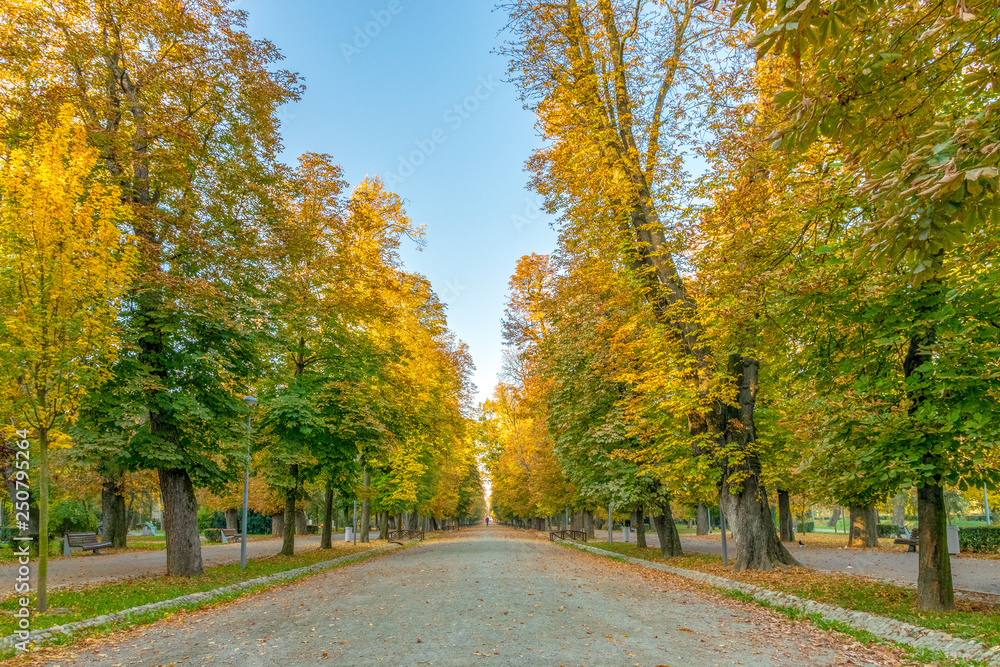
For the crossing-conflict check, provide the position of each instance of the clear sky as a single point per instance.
(413, 91)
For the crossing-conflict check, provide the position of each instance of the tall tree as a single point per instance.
(64, 266)
(907, 89)
(611, 83)
(181, 103)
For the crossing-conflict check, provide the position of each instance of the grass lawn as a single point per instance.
(68, 605)
(975, 619)
(159, 542)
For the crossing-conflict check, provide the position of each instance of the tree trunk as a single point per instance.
(366, 512)
(588, 524)
(301, 527)
(114, 526)
(640, 528)
(232, 518)
(899, 509)
(863, 531)
(834, 518)
(743, 498)
(935, 591)
(411, 523)
(786, 529)
(288, 544)
(576, 521)
(277, 525)
(288, 534)
(326, 539)
(383, 525)
(702, 519)
(42, 601)
(180, 522)
(670, 541)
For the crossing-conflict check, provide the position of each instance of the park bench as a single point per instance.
(231, 535)
(82, 541)
(577, 535)
(398, 535)
(913, 540)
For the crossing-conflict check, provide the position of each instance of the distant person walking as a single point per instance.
(487, 521)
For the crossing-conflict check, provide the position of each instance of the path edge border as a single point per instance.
(37, 638)
(888, 629)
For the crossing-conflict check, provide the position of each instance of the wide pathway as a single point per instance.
(487, 594)
(969, 574)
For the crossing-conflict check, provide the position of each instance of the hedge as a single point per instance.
(213, 535)
(888, 530)
(259, 524)
(979, 539)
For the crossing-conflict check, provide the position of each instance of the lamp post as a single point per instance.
(722, 529)
(251, 402)
(986, 501)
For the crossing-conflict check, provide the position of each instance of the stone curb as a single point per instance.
(38, 637)
(888, 629)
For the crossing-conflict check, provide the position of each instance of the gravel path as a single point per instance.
(969, 574)
(484, 595)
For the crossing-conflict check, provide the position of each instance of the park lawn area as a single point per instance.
(76, 604)
(159, 542)
(144, 543)
(973, 619)
(830, 541)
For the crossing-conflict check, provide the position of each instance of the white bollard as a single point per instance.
(953, 547)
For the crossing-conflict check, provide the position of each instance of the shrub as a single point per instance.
(213, 535)
(979, 539)
(888, 530)
(71, 516)
(210, 519)
(258, 524)
(807, 527)
(312, 529)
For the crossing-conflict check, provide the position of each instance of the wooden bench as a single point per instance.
(82, 541)
(913, 540)
(576, 535)
(398, 535)
(231, 535)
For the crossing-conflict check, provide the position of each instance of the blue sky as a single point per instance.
(412, 91)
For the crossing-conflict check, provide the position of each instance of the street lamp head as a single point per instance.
(250, 400)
